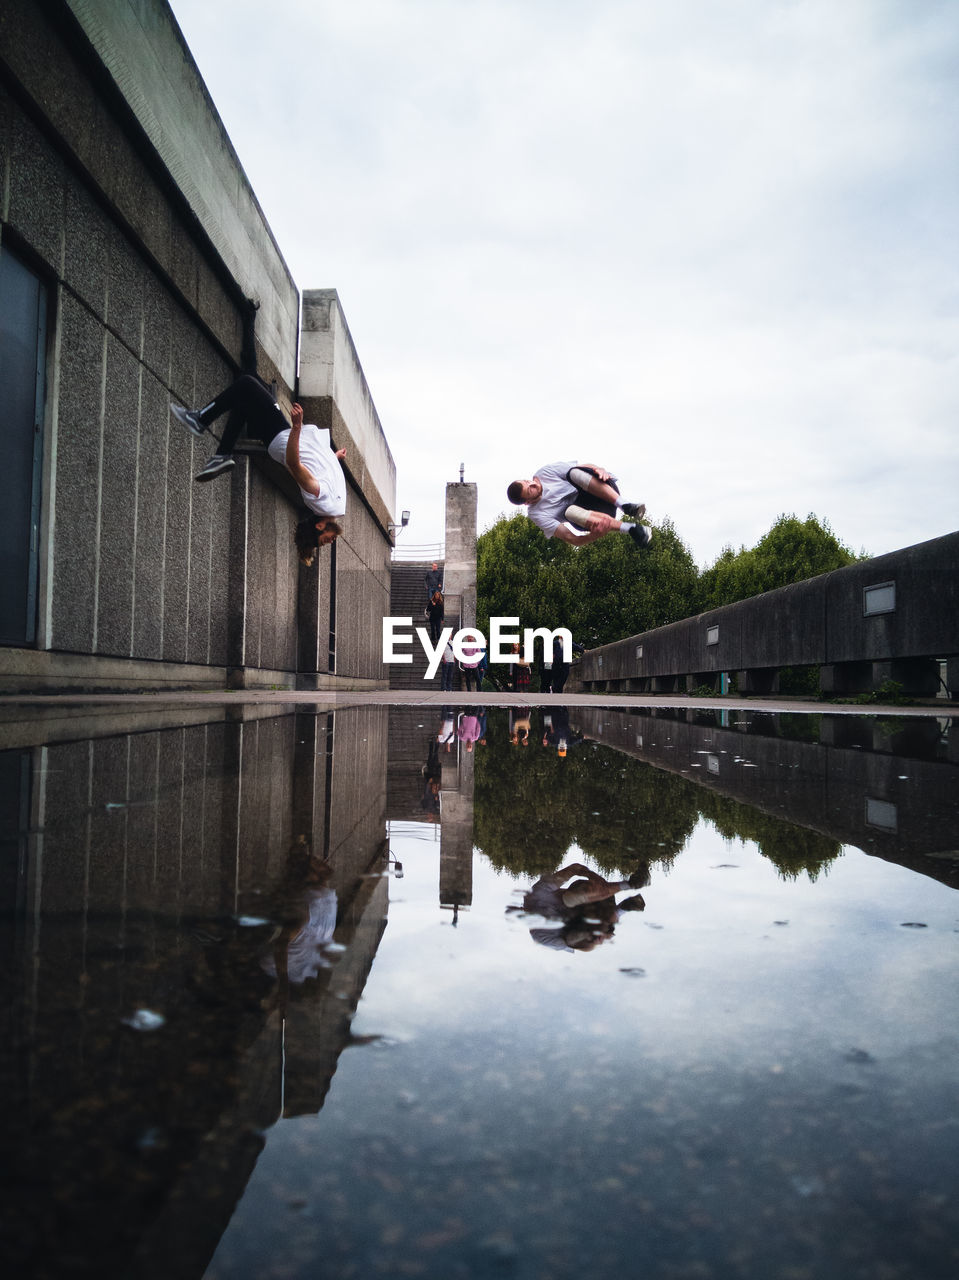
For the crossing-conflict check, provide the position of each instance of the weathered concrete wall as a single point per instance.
(825, 621)
(144, 52)
(459, 574)
(122, 192)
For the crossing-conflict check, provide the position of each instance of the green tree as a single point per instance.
(601, 592)
(791, 551)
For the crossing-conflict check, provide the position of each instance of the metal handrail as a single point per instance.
(428, 551)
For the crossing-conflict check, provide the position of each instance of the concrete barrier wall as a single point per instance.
(122, 193)
(891, 617)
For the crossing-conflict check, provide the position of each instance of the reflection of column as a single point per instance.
(456, 834)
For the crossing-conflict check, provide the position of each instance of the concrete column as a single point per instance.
(459, 575)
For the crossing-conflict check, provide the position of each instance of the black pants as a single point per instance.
(587, 501)
(559, 676)
(251, 406)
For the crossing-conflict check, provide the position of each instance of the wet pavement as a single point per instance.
(291, 990)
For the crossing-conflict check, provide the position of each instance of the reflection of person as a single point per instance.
(433, 579)
(447, 730)
(587, 910)
(305, 451)
(432, 781)
(300, 948)
(434, 612)
(557, 731)
(519, 726)
(582, 494)
(470, 730)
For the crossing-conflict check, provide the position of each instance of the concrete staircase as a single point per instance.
(408, 600)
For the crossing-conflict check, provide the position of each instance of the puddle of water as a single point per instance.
(278, 1001)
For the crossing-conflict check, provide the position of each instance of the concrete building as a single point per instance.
(136, 270)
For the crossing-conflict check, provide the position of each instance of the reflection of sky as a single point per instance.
(720, 973)
(511, 1077)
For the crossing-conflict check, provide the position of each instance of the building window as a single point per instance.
(712, 635)
(23, 341)
(880, 598)
(882, 814)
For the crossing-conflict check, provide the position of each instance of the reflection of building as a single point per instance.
(148, 878)
(456, 840)
(415, 760)
(887, 787)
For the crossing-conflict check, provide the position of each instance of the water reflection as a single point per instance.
(582, 914)
(198, 921)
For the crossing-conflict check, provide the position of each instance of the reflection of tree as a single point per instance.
(530, 806)
(791, 849)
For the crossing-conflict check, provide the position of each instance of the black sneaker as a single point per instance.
(215, 467)
(640, 535)
(633, 510)
(188, 418)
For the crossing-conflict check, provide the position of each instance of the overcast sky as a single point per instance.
(709, 244)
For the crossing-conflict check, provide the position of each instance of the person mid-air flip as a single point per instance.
(581, 494)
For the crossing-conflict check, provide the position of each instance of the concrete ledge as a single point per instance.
(312, 682)
(49, 671)
(42, 723)
(334, 393)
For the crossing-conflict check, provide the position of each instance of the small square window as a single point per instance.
(712, 635)
(880, 598)
(882, 814)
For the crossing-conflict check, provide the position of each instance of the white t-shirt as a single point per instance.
(322, 463)
(557, 495)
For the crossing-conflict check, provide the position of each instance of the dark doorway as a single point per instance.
(23, 324)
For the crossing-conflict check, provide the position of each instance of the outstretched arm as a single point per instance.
(303, 477)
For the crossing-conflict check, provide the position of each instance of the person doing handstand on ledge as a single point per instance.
(305, 451)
